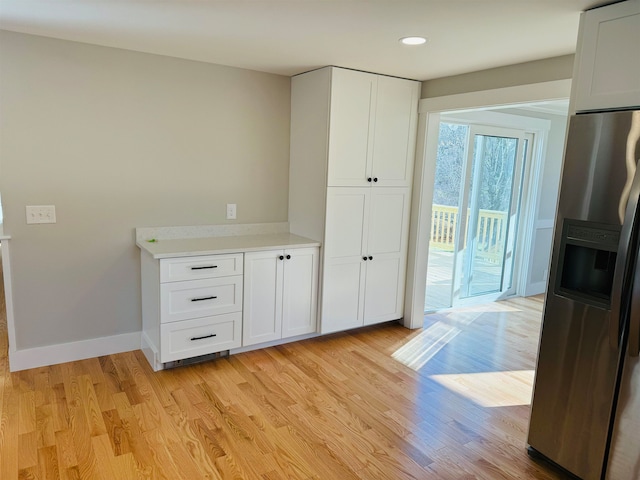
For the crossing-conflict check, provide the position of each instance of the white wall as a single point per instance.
(115, 140)
(540, 256)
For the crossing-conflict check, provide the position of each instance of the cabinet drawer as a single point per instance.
(200, 298)
(205, 266)
(200, 336)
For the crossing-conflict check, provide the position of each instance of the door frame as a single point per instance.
(424, 173)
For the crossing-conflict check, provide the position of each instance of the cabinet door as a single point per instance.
(387, 252)
(344, 267)
(394, 136)
(384, 288)
(608, 73)
(342, 299)
(299, 292)
(388, 224)
(350, 127)
(347, 222)
(262, 312)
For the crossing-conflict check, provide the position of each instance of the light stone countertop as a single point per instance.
(187, 247)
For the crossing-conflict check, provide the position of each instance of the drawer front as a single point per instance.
(200, 298)
(201, 336)
(205, 266)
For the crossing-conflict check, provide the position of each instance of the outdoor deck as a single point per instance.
(440, 278)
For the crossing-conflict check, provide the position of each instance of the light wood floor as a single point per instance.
(339, 407)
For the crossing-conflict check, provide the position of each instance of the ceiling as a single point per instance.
(290, 37)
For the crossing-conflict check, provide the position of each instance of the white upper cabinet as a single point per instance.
(352, 96)
(372, 129)
(608, 68)
(394, 131)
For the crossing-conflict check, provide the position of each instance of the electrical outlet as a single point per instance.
(231, 211)
(41, 214)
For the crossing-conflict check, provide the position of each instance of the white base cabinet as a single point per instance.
(365, 256)
(191, 306)
(206, 294)
(608, 61)
(280, 294)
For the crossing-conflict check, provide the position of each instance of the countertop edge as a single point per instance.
(148, 248)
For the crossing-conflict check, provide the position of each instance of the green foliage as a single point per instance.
(497, 155)
(452, 144)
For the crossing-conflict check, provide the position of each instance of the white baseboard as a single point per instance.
(69, 352)
(535, 289)
(273, 343)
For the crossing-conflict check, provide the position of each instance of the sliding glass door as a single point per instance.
(477, 196)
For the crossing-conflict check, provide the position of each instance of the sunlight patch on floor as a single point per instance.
(491, 389)
(491, 307)
(420, 349)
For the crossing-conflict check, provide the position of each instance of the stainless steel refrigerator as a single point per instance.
(585, 414)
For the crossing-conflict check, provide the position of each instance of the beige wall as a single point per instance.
(556, 68)
(116, 140)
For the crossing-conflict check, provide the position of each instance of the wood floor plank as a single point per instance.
(28, 448)
(66, 452)
(48, 463)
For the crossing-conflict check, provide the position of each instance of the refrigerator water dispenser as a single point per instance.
(587, 262)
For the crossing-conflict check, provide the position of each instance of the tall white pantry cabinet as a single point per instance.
(352, 151)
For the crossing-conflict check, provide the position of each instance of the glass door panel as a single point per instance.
(491, 196)
(445, 218)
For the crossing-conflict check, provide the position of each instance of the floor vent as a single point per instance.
(194, 360)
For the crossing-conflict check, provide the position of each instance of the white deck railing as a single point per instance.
(491, 231)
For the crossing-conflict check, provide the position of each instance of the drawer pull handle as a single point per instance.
(203, 337)
(205, 267)
(202, 298)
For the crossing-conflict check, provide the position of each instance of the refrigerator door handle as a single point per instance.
(634, 315)
(627, 233)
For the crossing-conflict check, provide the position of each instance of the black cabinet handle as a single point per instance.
(370, 257)
(202, 299)
(203, 337)
(288, 257)
(375, 179)
(369, 179)
(281, 257)
(364, 258)
(204, 268)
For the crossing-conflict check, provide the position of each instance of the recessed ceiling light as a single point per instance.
(413, 40)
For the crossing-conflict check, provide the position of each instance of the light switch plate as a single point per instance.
(41, 214)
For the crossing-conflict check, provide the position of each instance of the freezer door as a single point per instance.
(578, 361)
